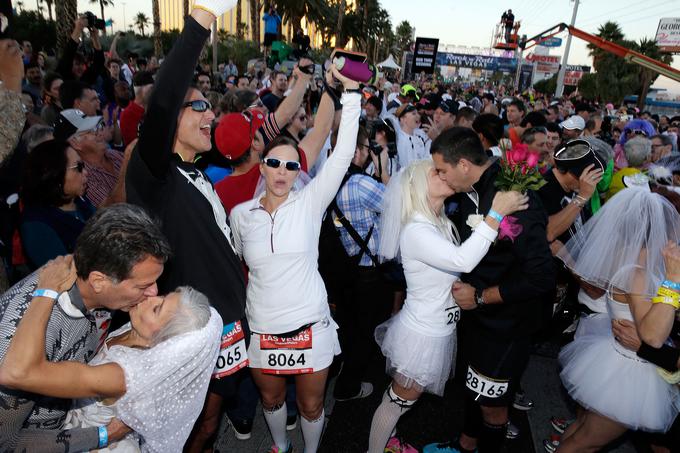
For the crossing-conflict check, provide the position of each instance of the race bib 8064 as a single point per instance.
(287, 355)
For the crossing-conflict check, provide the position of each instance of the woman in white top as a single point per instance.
(620, 251)
(277, 234)
(412, 142)
(152, 374)
(419, 342)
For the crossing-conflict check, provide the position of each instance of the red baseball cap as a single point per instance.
(235, 132)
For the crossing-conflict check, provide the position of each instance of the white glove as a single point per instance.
(215, 7)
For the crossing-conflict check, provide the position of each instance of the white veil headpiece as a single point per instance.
(166, 385)
(627, 234)
(391, 216)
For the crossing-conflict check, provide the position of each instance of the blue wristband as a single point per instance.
(671, 285)
(496, 216)
(103, 437)
(49, 293)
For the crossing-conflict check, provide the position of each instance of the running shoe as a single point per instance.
(512, 432)
(551, 445)
(444, 447)
(365, 390)
(276, 449)
(396, 445)
(242, 429)
(291, 422)
(560, 424)
(522, 402)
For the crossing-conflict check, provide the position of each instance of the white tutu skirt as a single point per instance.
(415, 360)
(606, 378)
(593, 324)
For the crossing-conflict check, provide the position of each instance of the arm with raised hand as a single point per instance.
(291, 103)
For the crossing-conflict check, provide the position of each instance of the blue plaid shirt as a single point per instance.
(360, 200)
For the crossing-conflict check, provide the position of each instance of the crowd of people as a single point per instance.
(178, 243)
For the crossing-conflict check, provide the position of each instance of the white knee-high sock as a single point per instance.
(385, 419)
(276, 421)
(311, 432)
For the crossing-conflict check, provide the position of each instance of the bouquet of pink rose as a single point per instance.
(519, 170)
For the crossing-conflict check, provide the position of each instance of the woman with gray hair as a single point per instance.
(638, 152)
(152, 374)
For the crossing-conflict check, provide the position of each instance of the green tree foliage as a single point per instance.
(32, 26)
(615, 77)
(141, 22)
(403, 38)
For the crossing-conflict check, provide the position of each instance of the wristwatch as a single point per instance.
(479, 297)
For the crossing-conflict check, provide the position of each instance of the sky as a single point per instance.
(462, 22)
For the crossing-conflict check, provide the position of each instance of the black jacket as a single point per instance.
(202, 256)
(523, 270)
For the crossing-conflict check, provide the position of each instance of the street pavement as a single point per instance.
(432, 419)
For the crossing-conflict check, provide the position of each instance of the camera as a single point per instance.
(376, 148)
(93, 22)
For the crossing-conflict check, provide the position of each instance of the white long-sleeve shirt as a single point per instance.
(432, 263)
(285, 290)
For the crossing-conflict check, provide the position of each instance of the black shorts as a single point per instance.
(227, 386)
(269, 38)
(492, 368)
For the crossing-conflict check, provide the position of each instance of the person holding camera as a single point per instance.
(73, 65)
(272, 22)
(356, 215)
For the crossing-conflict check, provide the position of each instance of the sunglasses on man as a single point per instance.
(290, 165)
(199, 105)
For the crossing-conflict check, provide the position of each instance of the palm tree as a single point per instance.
(239, 29)
(649, 48)
(102, 4)
(155, 11)
(611, 31)
(141, 22)
(66, 12)
(340, 39)
(255, 7)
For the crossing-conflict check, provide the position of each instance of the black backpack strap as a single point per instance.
(361, 242)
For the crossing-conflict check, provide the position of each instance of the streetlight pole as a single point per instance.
(124, 24)
(560, 77)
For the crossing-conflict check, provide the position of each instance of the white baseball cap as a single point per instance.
(573, 122)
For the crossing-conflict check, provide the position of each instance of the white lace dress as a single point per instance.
(165, 389)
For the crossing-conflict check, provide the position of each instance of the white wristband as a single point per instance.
(49, 293)
(216, 7)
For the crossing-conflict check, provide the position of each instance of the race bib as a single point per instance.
(287, 355)
(484, 386)
(452, 314)
(233, 355)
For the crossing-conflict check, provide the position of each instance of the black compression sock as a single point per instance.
(492, 438)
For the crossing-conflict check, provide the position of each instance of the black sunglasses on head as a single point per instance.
(199, 105)
(291, 165)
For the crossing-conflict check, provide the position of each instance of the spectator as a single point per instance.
(532, 119)
(203, 83)
(74, 94)
(12, 116)
(33, 84)
(514, 112)
(662, 146)
(272, 22)
(130, 67)
(72, 65)
(465, 117)
(52, 104)
(243, 83)
(444, 118)
(85, 134)
(572, 127)
(489, 104)
(553, 141)
(132, 115)
(55, 211)
(27, 49)
(536, 138)
(489, 128)
(279, 86)
(638, 153)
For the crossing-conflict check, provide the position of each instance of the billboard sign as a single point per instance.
(668, 34)
(424, 55)
(551, 42)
